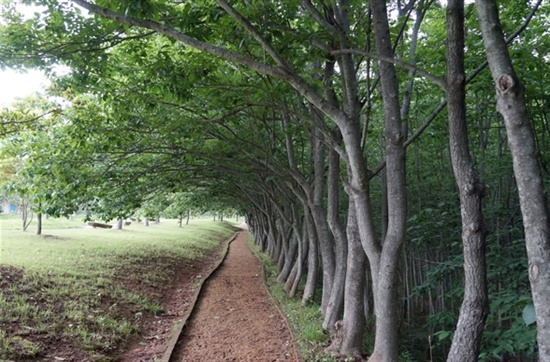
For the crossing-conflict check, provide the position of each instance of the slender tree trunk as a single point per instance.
(119, 224)
(473, 313)
(282, 250)
(146, 221)
(297, 236)
(39, 223)
(289, 259)
(302, 255)
(336, 301)
(326, 245)
(271, 237)
(312, 257)
(25, 208)
(188, 216)
(385, 268)
(511, 104)
(353, 321)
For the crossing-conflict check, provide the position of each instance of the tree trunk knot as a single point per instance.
(476, 188)
(505, 82)
(533, 271)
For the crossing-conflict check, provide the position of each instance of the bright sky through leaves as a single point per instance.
(15, 85)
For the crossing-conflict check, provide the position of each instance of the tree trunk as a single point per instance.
(281, 251)
(302, 255)
(511, 104)
(119, 224)
(290, 257)
(312, 257)
(324, 236)
(473, 312)
(39, 223)
(188, 216)
(336, 301)
(146, 221)
(385, 268)
(353, 323)
(25, 215)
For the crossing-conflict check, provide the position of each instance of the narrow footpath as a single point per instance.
(235, 318)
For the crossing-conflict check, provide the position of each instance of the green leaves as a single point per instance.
(528, 314)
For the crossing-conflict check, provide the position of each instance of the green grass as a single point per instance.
(89, 287)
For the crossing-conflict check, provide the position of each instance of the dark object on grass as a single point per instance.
(100, 225)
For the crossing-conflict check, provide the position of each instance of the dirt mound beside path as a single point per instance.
(235, 318)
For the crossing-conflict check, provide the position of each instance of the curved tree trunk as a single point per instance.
(312, 257)
(289, 259)
(336, 301)
(473, 312)
(302, 255)
(326, 245)
(353, 322)
(511, 104)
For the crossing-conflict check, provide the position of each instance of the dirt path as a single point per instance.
(235, 319)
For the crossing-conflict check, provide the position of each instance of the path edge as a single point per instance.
(181, 324)
(275, 302)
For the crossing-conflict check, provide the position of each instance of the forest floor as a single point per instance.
(234, 319)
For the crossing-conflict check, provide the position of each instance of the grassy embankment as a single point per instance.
(88, 288)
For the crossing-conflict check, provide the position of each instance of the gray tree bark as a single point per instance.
(384, 268)
(312, 257)
(290, 257)
(353, 320)
(326, 244)
(511, 104)
(473, 312)
(336, 301)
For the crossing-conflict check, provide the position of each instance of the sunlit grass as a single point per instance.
(74, 281)
(88, 248)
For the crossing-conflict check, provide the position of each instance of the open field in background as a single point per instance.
(89, 286)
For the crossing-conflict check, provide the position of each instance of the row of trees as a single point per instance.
(342, 129)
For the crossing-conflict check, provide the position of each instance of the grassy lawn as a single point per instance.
(85, 287)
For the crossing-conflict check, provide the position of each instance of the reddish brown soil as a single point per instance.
(235, 318)
(157, 331)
